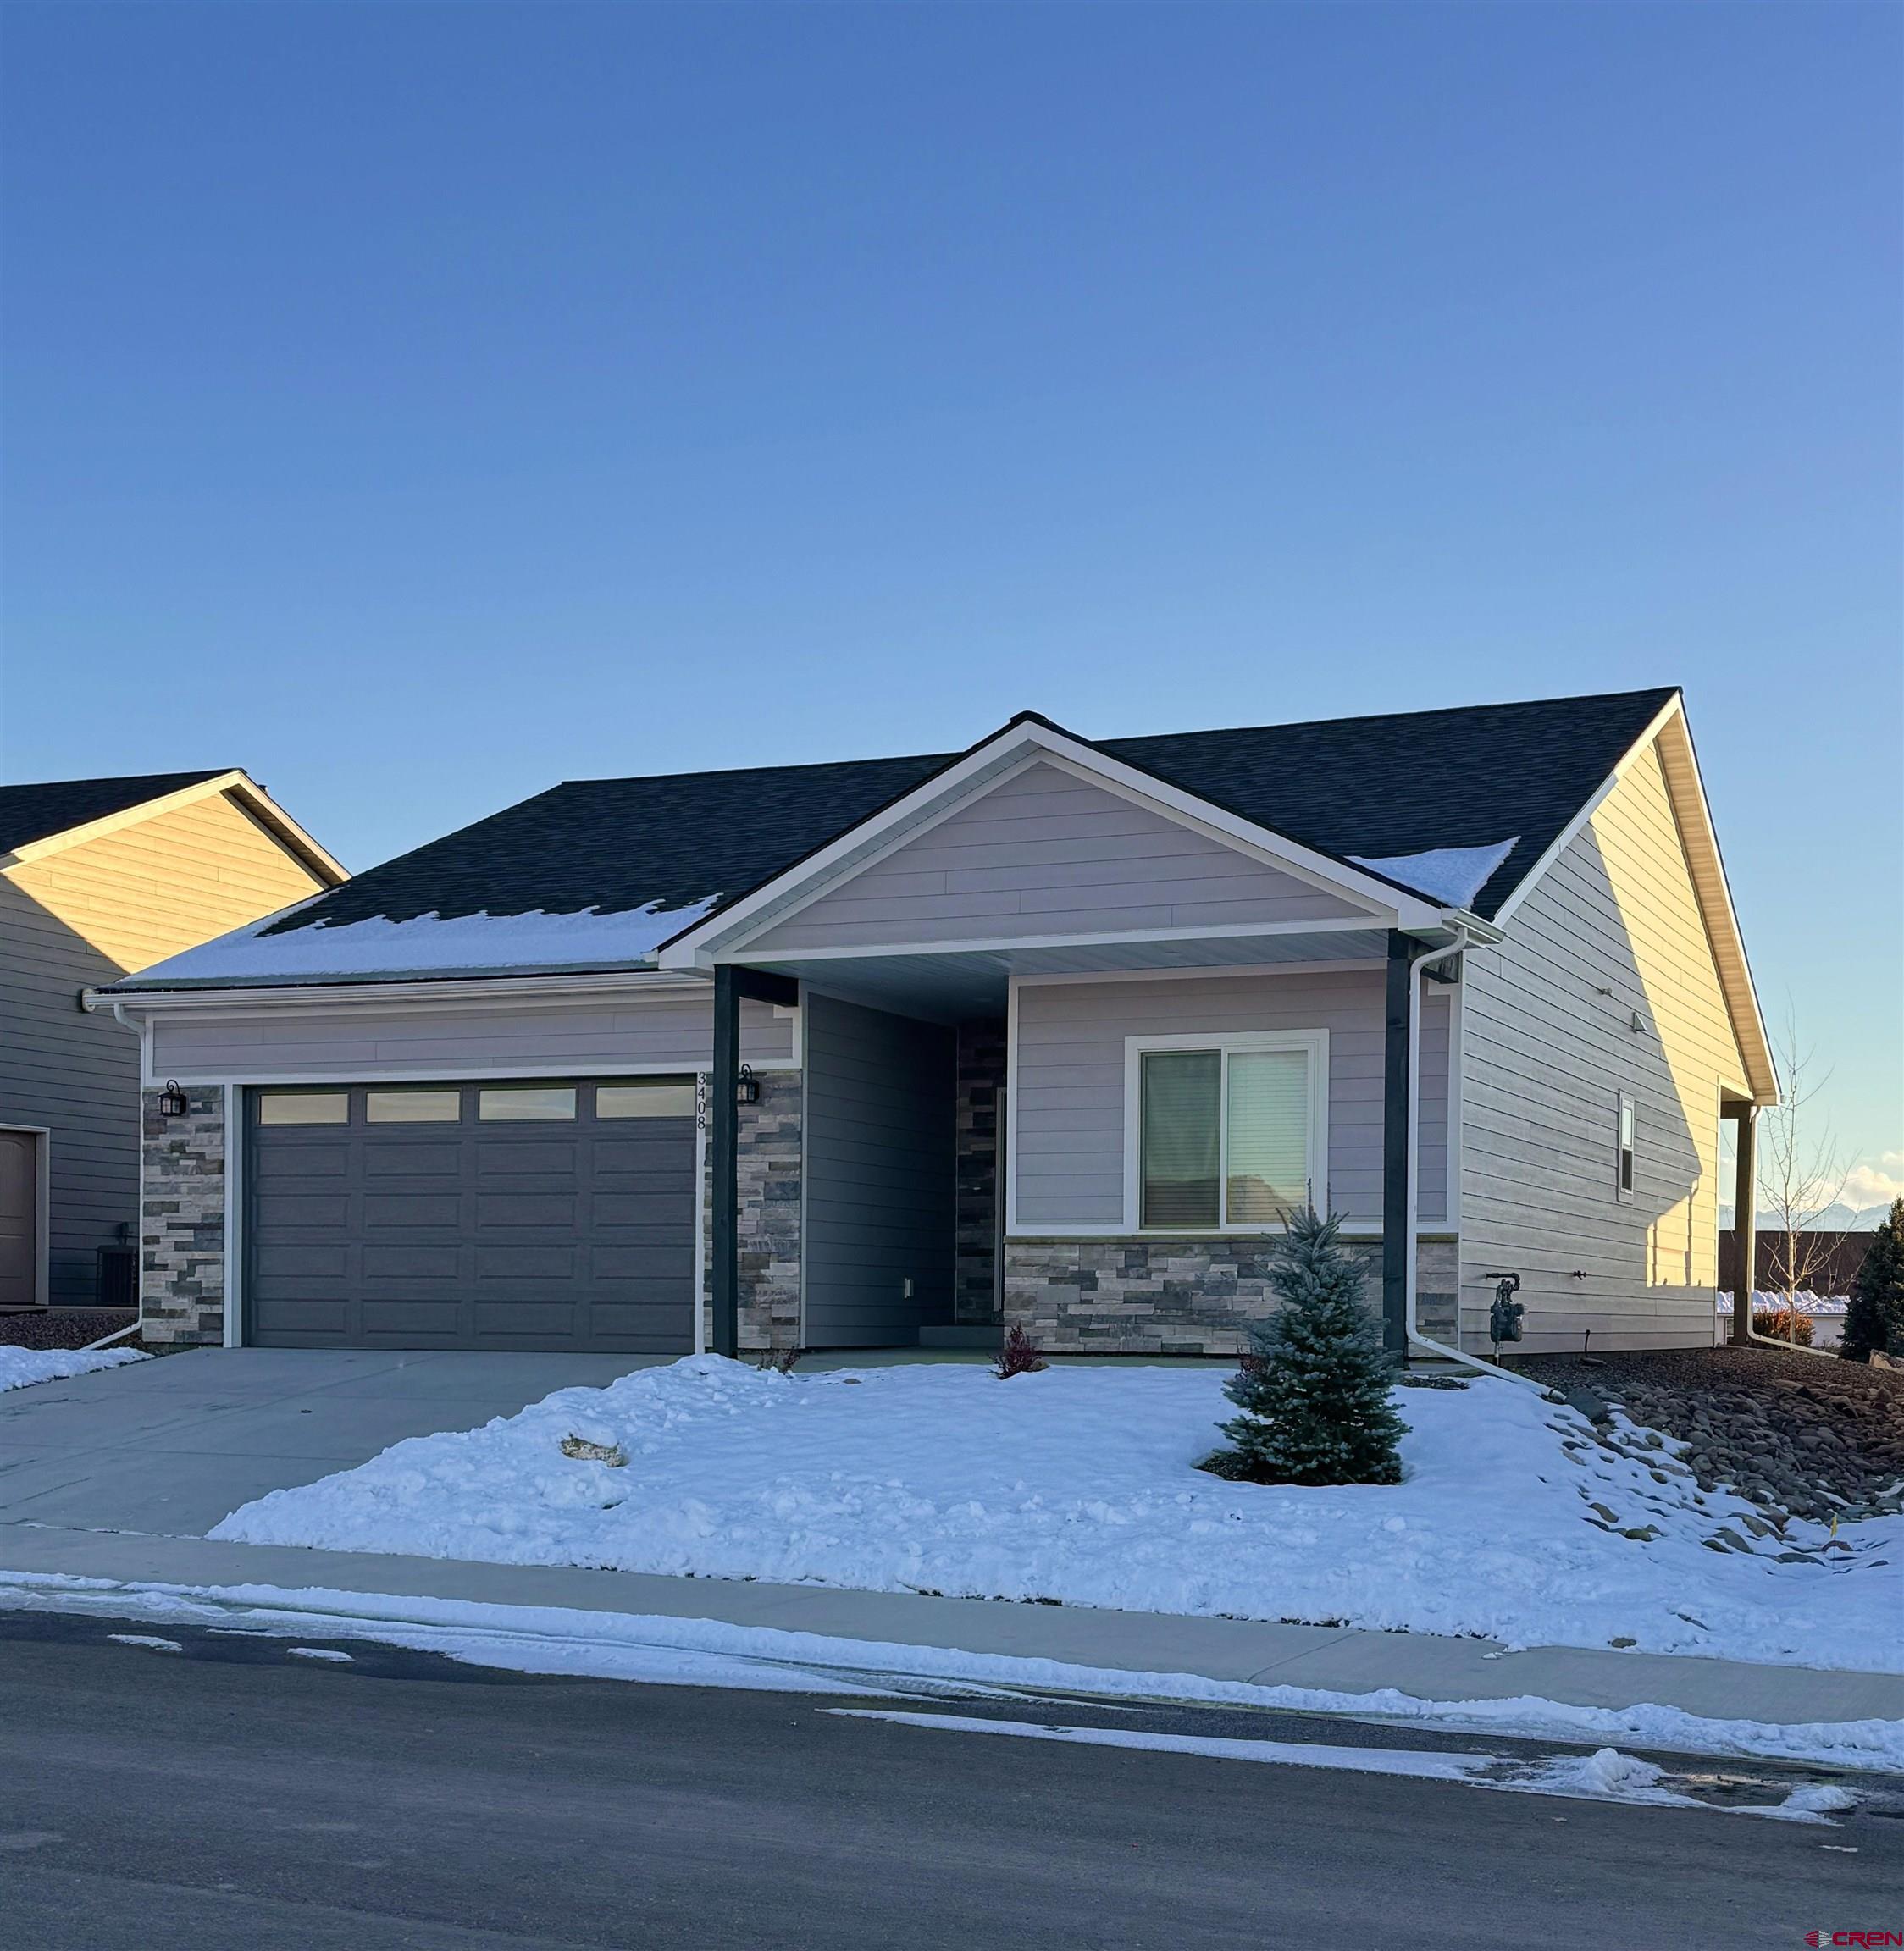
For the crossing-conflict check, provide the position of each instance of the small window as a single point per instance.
(651, 1097)
(304, 1107)
(1622, 1183)
(503, 1102)
(412, 1107)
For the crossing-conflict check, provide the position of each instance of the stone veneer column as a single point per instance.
(1180, 1296)
(770, 1216)
(981, 1077)
(181, 1222)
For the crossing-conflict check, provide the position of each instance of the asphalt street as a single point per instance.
(233, 1794)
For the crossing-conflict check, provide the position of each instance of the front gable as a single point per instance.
(1036, 837)
(1048, 853)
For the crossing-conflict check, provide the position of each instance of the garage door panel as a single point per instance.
(394, 1153)
(412, 1261)
(412, 1212)
(576, 1234)
(503, 1212)
(294, 1212)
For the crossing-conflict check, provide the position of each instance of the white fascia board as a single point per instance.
(1693, 808)
(1575, 826)
(475, 992)
(1693, 812)
(729, 930)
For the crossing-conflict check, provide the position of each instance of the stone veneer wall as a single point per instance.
(769, 1215)
(1180, 1296)
(980, 1078)
(181, 1220)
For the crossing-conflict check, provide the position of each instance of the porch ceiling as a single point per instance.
(955, 987)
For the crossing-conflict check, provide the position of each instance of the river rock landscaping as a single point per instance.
(1800, 1435)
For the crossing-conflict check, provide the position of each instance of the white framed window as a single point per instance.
(1624, 1135)
(1225, 1133)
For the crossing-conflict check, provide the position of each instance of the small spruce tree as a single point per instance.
(1314, 1391)
(1874, 1320)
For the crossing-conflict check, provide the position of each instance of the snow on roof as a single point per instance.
(428, 944)
(1451, 875)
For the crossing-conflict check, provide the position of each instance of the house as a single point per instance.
(99, 878)
(1049, 1031)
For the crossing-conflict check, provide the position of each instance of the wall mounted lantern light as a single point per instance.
(748, 1091)
(172, 1101)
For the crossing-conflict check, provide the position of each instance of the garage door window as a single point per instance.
(412, 1107)
(499, 1104)
(652, 1098)
(304, 1107)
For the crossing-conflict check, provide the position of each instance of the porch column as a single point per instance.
(1745, 1220)
(1396, 1246)
(730, 985)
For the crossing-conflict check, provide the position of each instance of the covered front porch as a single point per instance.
(979, 1138)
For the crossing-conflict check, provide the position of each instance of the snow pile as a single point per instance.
(1079, 1486)
(429, 941)
(1804, 1301)
(21, 1366)
(1453, 875)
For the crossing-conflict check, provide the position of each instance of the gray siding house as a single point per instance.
(1053, 1031)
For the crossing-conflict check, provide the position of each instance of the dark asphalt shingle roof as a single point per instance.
(30, 813)
(1377, 788)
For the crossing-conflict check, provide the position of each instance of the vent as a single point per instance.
(116, 1284)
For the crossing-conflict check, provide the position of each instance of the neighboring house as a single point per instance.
(99, 878)
(1050, 1032)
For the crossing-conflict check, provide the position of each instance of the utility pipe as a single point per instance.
(1462, 941)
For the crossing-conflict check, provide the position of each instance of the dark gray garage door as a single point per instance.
(501, 1216)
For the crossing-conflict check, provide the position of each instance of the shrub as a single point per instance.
(1874, 1319)
(1314, 1389)
(780, 1361)
(1021, 1356)
(1777, 1324)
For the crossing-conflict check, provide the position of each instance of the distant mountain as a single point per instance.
(1839, 1219)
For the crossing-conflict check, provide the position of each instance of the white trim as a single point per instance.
(1011, 988)
(1096, 1231)
(41, 1136)
(1357, 965)
(1313, 1043)
(704, 1098)
(1574, 828)
(725, 933)
(349, 1074)
(1754, 1047)
(1117, 939)
(236, 1135)
(1456, 1100)
(395, 994)
(1626, 1105)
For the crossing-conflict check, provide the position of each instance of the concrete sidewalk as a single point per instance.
(1423, 1664)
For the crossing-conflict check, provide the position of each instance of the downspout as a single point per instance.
(1416, 1338)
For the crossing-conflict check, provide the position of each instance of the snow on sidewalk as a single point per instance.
(19, 1367)
(1078, 1485)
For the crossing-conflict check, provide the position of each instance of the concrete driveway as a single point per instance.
(172, 1445)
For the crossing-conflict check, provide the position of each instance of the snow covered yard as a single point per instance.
(21, 1366)
(1078, 1485)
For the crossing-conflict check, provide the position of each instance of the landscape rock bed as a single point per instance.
(63, 1327)
(1802, 1434)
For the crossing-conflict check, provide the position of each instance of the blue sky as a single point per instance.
(417, 404)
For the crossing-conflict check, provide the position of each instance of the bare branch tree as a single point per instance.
(1801, 1173)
